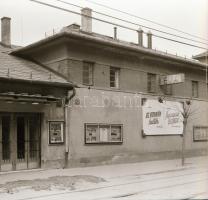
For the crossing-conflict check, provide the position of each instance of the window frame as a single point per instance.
(116, 77)
(168, 89)
(150, 83)
(193, 85)
(98, 133)
(90, 73)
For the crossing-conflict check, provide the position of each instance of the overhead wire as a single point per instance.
(126, 21)
(112, 23)
(132, 15)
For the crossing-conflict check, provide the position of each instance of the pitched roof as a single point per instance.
(13, 67)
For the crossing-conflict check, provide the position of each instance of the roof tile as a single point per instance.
(18, 68)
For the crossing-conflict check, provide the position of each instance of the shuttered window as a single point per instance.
(151, 82)
(114, 77)
(195, 89)
(87, 73)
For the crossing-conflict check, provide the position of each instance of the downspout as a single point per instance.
(66, 104)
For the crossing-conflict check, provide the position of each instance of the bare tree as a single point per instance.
(186, 113)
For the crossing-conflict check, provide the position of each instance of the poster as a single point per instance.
(56, 132)
(91, 133)
(104, 134)
(162, 118)
(116, 133)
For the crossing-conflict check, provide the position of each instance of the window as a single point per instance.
(87, 75)
(194, 89)
(103, 133)
(151, 82)
(114, 77)
(167, 89)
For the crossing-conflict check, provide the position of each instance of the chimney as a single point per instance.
(5, 31)
(140, 37)
(115, 33)
(149, 40)
(86, 19)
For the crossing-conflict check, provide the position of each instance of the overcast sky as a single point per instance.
(30, 21)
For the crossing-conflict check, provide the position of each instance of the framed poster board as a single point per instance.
(200, 133)
(103, 133)
(56, 132)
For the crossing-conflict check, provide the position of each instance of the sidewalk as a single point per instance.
(44, 182)
(106, 171)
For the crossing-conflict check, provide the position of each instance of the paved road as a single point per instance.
(190, 182)
(180, 184)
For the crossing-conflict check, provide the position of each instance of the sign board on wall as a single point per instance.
(200, 133)
(162, 118)
(172, 79)
(56, 132)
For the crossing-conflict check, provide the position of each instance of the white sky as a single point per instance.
(30, 21)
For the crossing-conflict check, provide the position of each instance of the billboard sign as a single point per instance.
(162, 118)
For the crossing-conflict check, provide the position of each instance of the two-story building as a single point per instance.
(113, 78)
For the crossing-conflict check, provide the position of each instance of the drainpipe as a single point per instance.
(67, 99)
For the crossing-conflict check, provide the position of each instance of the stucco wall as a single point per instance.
(134, 146)
(68, 59)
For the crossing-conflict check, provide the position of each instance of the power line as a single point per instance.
(167, 33)
(115, 24)
(121, 11)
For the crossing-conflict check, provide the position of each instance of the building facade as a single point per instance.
(104, 120)
(32, 105)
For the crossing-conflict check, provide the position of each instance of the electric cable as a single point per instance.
(115, 24)
(126, 21)
(117, 10)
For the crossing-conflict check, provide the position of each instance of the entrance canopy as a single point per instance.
(25, 81)
(23, 98)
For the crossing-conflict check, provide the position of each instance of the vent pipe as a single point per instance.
(149, 40)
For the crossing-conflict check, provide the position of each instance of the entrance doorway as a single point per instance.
(19, 141)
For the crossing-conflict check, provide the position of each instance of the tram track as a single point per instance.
(144, 180)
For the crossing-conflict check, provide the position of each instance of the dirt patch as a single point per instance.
(55, 182)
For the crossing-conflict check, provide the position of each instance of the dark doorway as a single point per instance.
(19, 141)
(20, 138)
(6, 138)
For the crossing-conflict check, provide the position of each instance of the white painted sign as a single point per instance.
(172, 79)
(162, 118)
